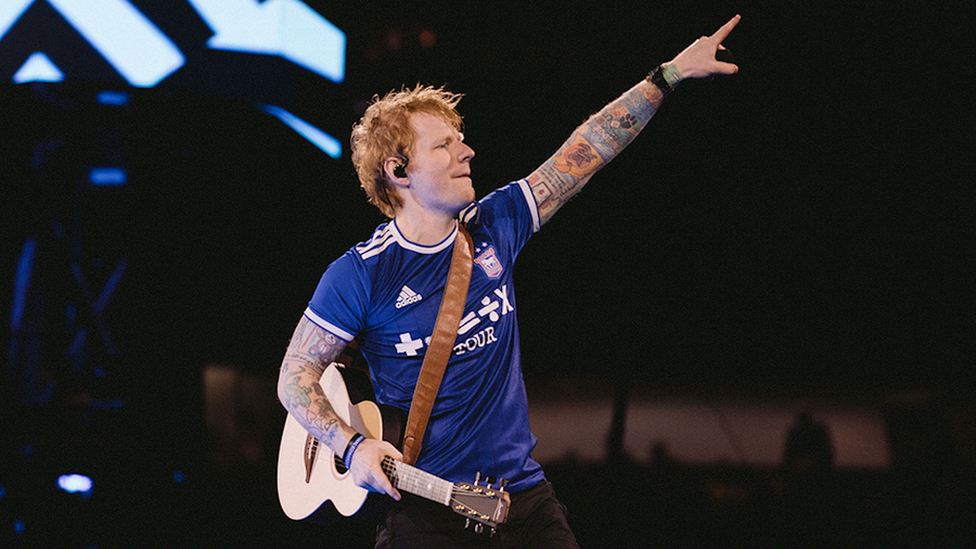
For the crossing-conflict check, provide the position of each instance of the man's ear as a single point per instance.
(396, 168)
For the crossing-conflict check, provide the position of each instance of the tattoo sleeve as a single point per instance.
(310, 351)
(593, 144)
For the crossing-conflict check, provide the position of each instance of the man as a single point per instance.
(414, 165)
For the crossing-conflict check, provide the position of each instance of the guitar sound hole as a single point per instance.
(339, 465)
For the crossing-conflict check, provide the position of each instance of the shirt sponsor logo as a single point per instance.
(493, 307)
(477, 341)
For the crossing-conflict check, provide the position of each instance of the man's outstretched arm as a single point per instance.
(601, 138)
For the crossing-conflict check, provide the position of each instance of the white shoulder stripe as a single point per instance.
(530, 200)
(380, 241)
(327, 326)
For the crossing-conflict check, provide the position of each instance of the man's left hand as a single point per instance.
(698, 60)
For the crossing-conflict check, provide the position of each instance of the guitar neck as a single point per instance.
(419, 483)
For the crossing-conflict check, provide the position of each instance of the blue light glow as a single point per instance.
(108, 177)
(22, 282)
(75, 484)
(325, 142)
(112, 98)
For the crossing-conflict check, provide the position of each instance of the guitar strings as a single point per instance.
(418, 482)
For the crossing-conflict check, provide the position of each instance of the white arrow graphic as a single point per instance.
(38, 68)
(142, 54)
(121, 33)
(10, 12)
(286, 28)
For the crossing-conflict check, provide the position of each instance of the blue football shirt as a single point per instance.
(386, 293)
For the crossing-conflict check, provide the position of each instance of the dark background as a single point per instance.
(803, 227)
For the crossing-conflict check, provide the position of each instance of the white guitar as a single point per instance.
(310, 474)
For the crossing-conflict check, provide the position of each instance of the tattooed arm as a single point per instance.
(609, 131)
(310, 351)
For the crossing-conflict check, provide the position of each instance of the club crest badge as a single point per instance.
(489, 263)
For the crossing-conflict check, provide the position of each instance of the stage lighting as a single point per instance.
(108, 177)
(38, 68)
(112, 98)
(76, 484)
(325, 142)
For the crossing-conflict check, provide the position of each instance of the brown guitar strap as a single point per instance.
(441, 344)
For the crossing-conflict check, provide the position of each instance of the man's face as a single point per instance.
(439, 168)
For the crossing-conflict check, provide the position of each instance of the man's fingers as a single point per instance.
(389, 490)
(395, 454)
(725, 29)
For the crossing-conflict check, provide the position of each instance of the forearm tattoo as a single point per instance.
(310, 351)
(591, 146)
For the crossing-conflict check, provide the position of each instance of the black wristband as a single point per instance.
(656, 77)
(351, 448)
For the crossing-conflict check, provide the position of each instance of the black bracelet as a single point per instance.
(656, 77)
(351, 449)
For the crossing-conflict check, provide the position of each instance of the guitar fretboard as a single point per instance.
(417, 482)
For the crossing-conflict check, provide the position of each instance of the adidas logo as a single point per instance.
(407, 296)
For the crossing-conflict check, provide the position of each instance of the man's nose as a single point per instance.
(466, 153)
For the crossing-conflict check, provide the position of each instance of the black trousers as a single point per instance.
(536, 520)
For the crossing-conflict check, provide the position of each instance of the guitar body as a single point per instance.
(303, 489)
(310, 475)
